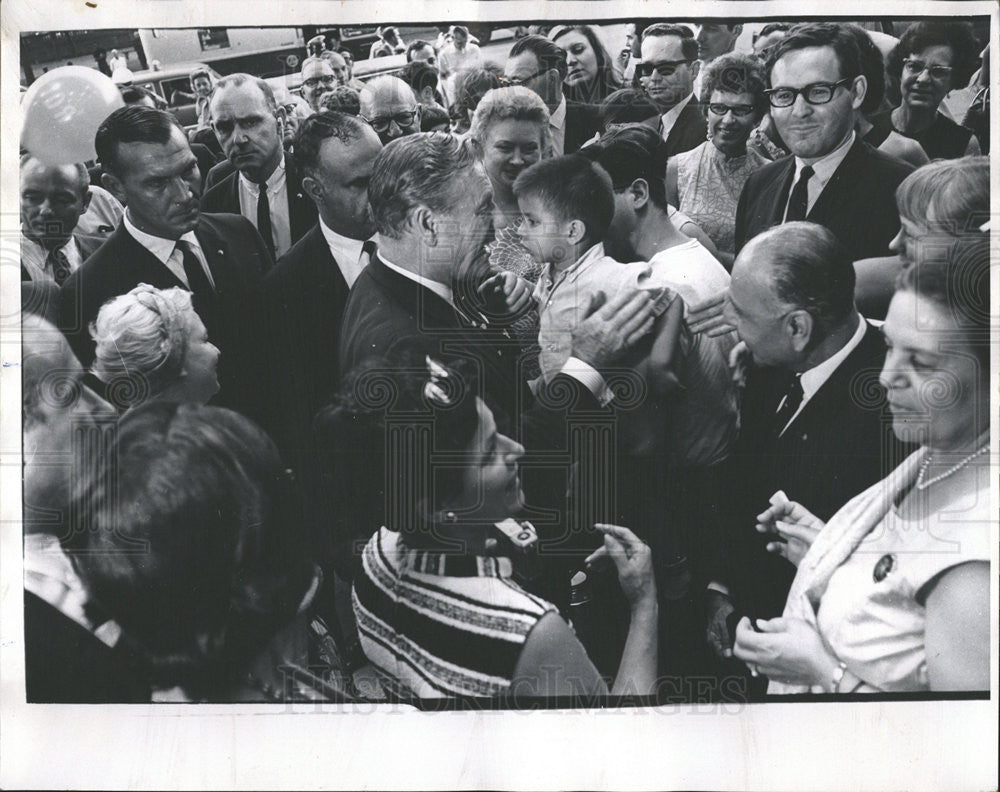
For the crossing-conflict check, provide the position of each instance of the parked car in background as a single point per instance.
(173, 85)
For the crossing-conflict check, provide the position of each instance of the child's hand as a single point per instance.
(515, 292)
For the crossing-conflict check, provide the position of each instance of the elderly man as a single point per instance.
(540, 64)
(265, 187)
(338, 63)
(667, 73)
(391, 107)
(317, 78)
(814, 419)
(305, 293)
(165, 241)
(71, 655)
(831, 177)
(53, 198)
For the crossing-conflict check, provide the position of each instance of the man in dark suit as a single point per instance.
(540, 64)
(265, 187)
(304, 295)
(832, 177)
(814, 418)
(667, 73)
(164, 240)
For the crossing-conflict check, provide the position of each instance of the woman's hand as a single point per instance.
(785, 650)
(794, 526)
(515, 292)
(633, 560)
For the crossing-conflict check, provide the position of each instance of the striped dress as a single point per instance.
(437, 625)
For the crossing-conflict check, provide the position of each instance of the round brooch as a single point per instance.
(884, 566)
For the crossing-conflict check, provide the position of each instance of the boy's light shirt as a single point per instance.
(563, 297)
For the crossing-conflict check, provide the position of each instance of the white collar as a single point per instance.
(670, 117)
(70, 249)
(158, 246)
(274, 181)
(558, 117)
(440, 289)
(333, 239)
(573, 270)
(813, 379)
(824, 167)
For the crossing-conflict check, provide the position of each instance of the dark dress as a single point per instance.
(943, 139)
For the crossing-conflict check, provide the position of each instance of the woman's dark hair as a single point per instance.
(956, 277)
(736, 73)
(921, 35)
(608, 80)
(187, 541)
(627, 106)
(872, 67)
(394, 437)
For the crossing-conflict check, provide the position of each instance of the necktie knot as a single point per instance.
(59, 264)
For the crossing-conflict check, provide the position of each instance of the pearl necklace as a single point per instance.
(922, 485)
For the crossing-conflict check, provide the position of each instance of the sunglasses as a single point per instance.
(663, 68)
(381, 123)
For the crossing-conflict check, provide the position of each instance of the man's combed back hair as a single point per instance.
(820, 34)
(633, 152)
(548, 54)
(811, 269)
(319, 127)
(131, 124)
(689, 44)
(416, 170)
(238, 79)
(415, 45)
(574, 189)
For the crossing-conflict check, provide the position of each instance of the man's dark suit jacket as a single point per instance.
(219, 172)
(385, 307)
(303, 298)
(237, 259)
(582, 123)
(838, 445)
(858, 204)
(689, 130)
(224, 196)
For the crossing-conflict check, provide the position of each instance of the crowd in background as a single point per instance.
(663, 373)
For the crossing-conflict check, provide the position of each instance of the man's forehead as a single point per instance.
(806, 65)
(37, 174)
(662, 48)
(316, 69)
(158, 157)
(393, 98)
(238, 99)
(525, 62)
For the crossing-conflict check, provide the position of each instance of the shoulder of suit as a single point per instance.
(885, 164)
(302, 253)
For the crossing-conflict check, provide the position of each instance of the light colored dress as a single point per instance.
(863, 581)
(709, 187)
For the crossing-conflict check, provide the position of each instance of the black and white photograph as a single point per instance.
(514, 395)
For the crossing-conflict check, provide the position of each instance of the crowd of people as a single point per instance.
(661, 374)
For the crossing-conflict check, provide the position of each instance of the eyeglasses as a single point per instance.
(522, 80)
(915, 68)
(381, 123)
(663, 68)
(815, 93)
(740, 111)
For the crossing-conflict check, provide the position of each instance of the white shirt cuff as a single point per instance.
(589, 377)
(719, 587)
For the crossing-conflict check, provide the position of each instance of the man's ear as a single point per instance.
(422, 221)
(639, 193)
(113, 185)
(87, 195)
(859, 88)
(313, 188)
(800, 325)
(695, 68)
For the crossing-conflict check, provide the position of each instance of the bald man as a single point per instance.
(53, 198)
(390, 106)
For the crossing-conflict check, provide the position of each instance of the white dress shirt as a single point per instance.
(669, 118)
(277, 197)
(557, 126)
(823, 170)
(168, 253)
(34, 258)
(346, 252)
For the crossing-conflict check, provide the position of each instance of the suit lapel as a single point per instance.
(778, 197)
(842, 184)
(216, 251)
(416, 298)
(148, 267)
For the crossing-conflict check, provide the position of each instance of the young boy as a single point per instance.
(568, 204)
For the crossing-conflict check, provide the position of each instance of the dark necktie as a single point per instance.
(798, 201)
(264, 217)
(788, 407)
(198, 281)
(367, 252)
(59, 264)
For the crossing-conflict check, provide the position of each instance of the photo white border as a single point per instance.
(925, 745)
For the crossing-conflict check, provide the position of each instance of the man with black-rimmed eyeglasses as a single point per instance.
(667, 73)
(390, 106)
(832, 177)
